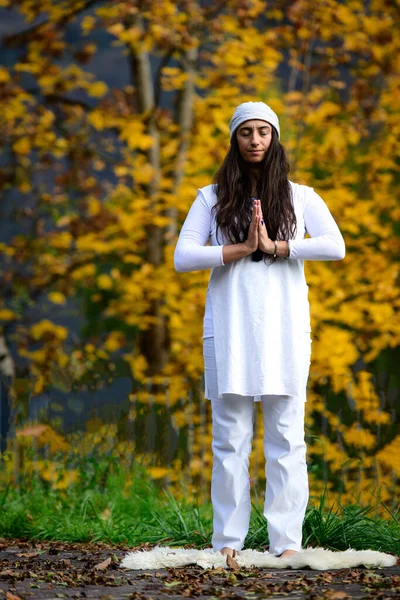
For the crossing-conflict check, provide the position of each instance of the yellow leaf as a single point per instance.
(138, 366)
(39, 385)
(7, 315)
(121, 170)
(144, 142)
(45, 326)
(22, 146)
(144, 174)
(62, 360)
(61, 240)
(83, 273)
(105, 282)
(97, 89)
(113, 342)
(157, 472)
(25, 187)
(88, 23)
(94, 207)
(56, 298)
(96, 118)
(4, 74)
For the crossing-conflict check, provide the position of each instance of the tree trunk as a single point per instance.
(185, 122)
(154, 342)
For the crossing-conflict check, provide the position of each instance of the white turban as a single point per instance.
(253, 110)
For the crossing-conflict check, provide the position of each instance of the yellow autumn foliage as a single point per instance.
(122, 165)
(56, 298)
(45, 326)
(7, 315)
(359, 438)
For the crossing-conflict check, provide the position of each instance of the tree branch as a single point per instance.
(23, 37)
(56, 99)
(157, 84)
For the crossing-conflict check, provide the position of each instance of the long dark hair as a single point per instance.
(232, 186)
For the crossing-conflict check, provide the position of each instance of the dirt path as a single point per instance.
(53, 570)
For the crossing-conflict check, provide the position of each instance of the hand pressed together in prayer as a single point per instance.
(258, 234)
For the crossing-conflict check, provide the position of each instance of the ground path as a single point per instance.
(52, 570)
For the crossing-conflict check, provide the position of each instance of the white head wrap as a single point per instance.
(253, 110)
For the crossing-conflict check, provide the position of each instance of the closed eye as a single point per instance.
(246, 132)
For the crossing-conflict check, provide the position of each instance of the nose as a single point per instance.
(255, 140)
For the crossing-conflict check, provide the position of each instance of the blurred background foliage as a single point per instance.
(112, 115)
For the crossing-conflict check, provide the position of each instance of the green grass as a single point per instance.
(95, 509)
(338, 528)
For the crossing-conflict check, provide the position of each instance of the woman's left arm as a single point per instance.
(326, 242)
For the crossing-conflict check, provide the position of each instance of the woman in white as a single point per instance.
(257, 340)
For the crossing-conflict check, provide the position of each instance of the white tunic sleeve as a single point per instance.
(326, 242)
(191, 253)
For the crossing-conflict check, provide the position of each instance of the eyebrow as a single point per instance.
(250, 128)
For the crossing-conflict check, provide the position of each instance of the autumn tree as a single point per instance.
(103, 178)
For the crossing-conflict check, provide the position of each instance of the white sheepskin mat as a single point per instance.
(314, 558)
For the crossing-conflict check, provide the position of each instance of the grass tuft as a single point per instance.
(100, 506)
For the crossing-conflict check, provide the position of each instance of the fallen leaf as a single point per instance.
(333, 595)
(231, 562)
(7, 572)
(326, 578)
(10, 596)
(103, 565)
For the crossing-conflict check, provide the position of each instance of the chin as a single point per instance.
(255, 160)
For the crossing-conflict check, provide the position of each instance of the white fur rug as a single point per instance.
(313, 558)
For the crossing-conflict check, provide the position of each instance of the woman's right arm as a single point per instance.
(191, 252)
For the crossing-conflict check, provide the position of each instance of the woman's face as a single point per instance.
(254, 138)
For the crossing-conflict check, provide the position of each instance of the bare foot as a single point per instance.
(287, 553)
(226, 551)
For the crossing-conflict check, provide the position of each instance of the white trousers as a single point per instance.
(287, 491)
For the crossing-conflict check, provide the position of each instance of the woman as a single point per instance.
(257, 342)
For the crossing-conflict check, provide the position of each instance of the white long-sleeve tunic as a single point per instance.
(259, 314)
